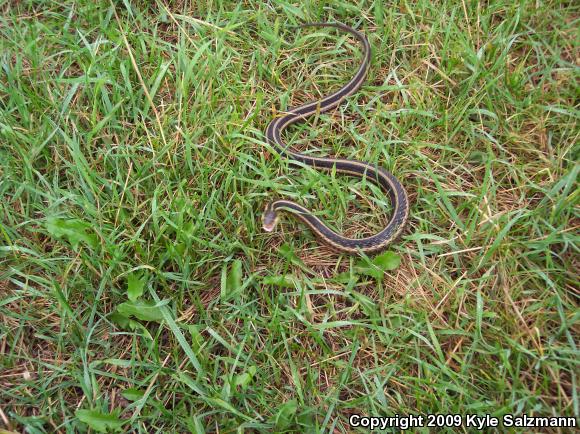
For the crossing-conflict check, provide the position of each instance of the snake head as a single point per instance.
(269, 219)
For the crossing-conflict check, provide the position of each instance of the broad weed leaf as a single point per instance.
(133, 394)
(101, 422)
(135, 284)
(232, 280)
(287, 251)
(245, 378)
(126, 323)
(74, 230)
(284, 281)
(285, 415)
(377, 266)
(143, 310)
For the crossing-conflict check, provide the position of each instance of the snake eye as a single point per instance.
(269, 220)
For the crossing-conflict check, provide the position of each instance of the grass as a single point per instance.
(137, 287)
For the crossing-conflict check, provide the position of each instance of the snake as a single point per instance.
(372, 172)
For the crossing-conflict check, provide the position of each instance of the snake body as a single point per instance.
(373, 173)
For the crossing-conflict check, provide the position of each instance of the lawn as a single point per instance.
(138, 291)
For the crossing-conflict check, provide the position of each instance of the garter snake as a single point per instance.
(373, 173)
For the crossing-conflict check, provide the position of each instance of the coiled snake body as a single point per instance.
(377, 175)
